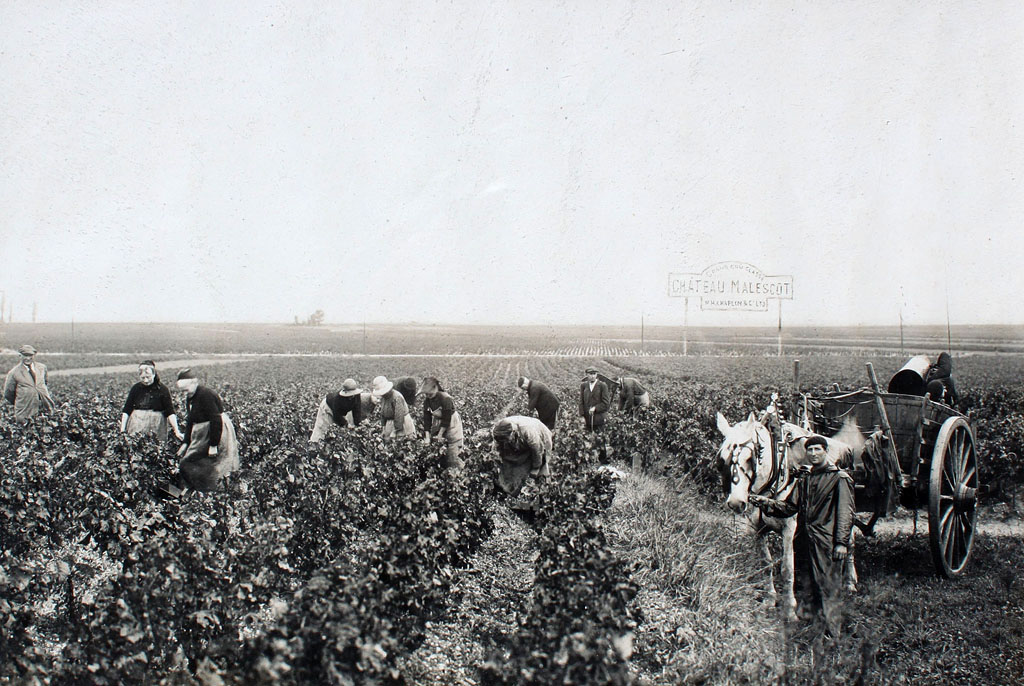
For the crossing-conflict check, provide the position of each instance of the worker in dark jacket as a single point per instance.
(822, 500)
(149, 407)
(346, 407)
(632, 394)
(407, 385)
(595, 399)
(540, 398)
(210, 449)
(939, 378)
(442, 421)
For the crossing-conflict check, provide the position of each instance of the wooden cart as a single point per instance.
(935, 448)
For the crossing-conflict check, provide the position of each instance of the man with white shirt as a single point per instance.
(25, 386)
(595, 399)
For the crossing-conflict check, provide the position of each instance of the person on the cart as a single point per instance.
(939, 378)
(823, 503)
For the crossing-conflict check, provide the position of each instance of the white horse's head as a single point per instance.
(744, 460)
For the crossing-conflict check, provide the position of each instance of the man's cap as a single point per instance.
(186, 373)
(591, 370)
(816, 439)
(26, 350)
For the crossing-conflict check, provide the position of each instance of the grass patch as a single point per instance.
(704, 619)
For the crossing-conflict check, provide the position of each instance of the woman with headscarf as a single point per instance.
(210, 449)
(149, 408)
(442, 421)
(524, 446)
(394, 412)
(939, 378)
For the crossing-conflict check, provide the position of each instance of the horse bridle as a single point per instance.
(755, 447)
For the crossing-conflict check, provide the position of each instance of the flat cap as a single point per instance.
(816, 439)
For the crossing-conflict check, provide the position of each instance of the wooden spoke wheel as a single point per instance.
(952, 496)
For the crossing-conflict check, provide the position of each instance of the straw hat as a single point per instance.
(349, 387)
(381, 385)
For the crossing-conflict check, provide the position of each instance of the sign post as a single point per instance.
(730, 286)
(780, 328)
(686, 312)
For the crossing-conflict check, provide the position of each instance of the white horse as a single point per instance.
(750, 465)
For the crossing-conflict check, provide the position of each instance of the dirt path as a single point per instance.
(493, 591)
(987, 526)
(169, 364)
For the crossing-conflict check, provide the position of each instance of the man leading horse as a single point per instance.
(755, 469)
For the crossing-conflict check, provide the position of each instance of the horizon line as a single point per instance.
(359, 324)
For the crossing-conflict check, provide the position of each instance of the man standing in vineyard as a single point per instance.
(540, 398)
(25, 386)
(823, 503)
(594, 400)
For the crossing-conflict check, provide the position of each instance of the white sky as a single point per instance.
(518, 161)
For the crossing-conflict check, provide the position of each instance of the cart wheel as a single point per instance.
(952, 495)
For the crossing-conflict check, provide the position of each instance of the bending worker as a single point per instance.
(539, 397)
(524, 446)
(346, 407)
(632, 394)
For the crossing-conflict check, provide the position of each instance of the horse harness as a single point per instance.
(775, 483)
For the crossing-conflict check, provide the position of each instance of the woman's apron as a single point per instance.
(148, 421)
(201, 470)
(453, 439)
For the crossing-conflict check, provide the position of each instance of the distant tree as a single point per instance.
(296, 320)
(317, 318)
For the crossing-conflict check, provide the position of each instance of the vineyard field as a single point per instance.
(363, 562)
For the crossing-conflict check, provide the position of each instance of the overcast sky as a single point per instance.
(509, 162)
